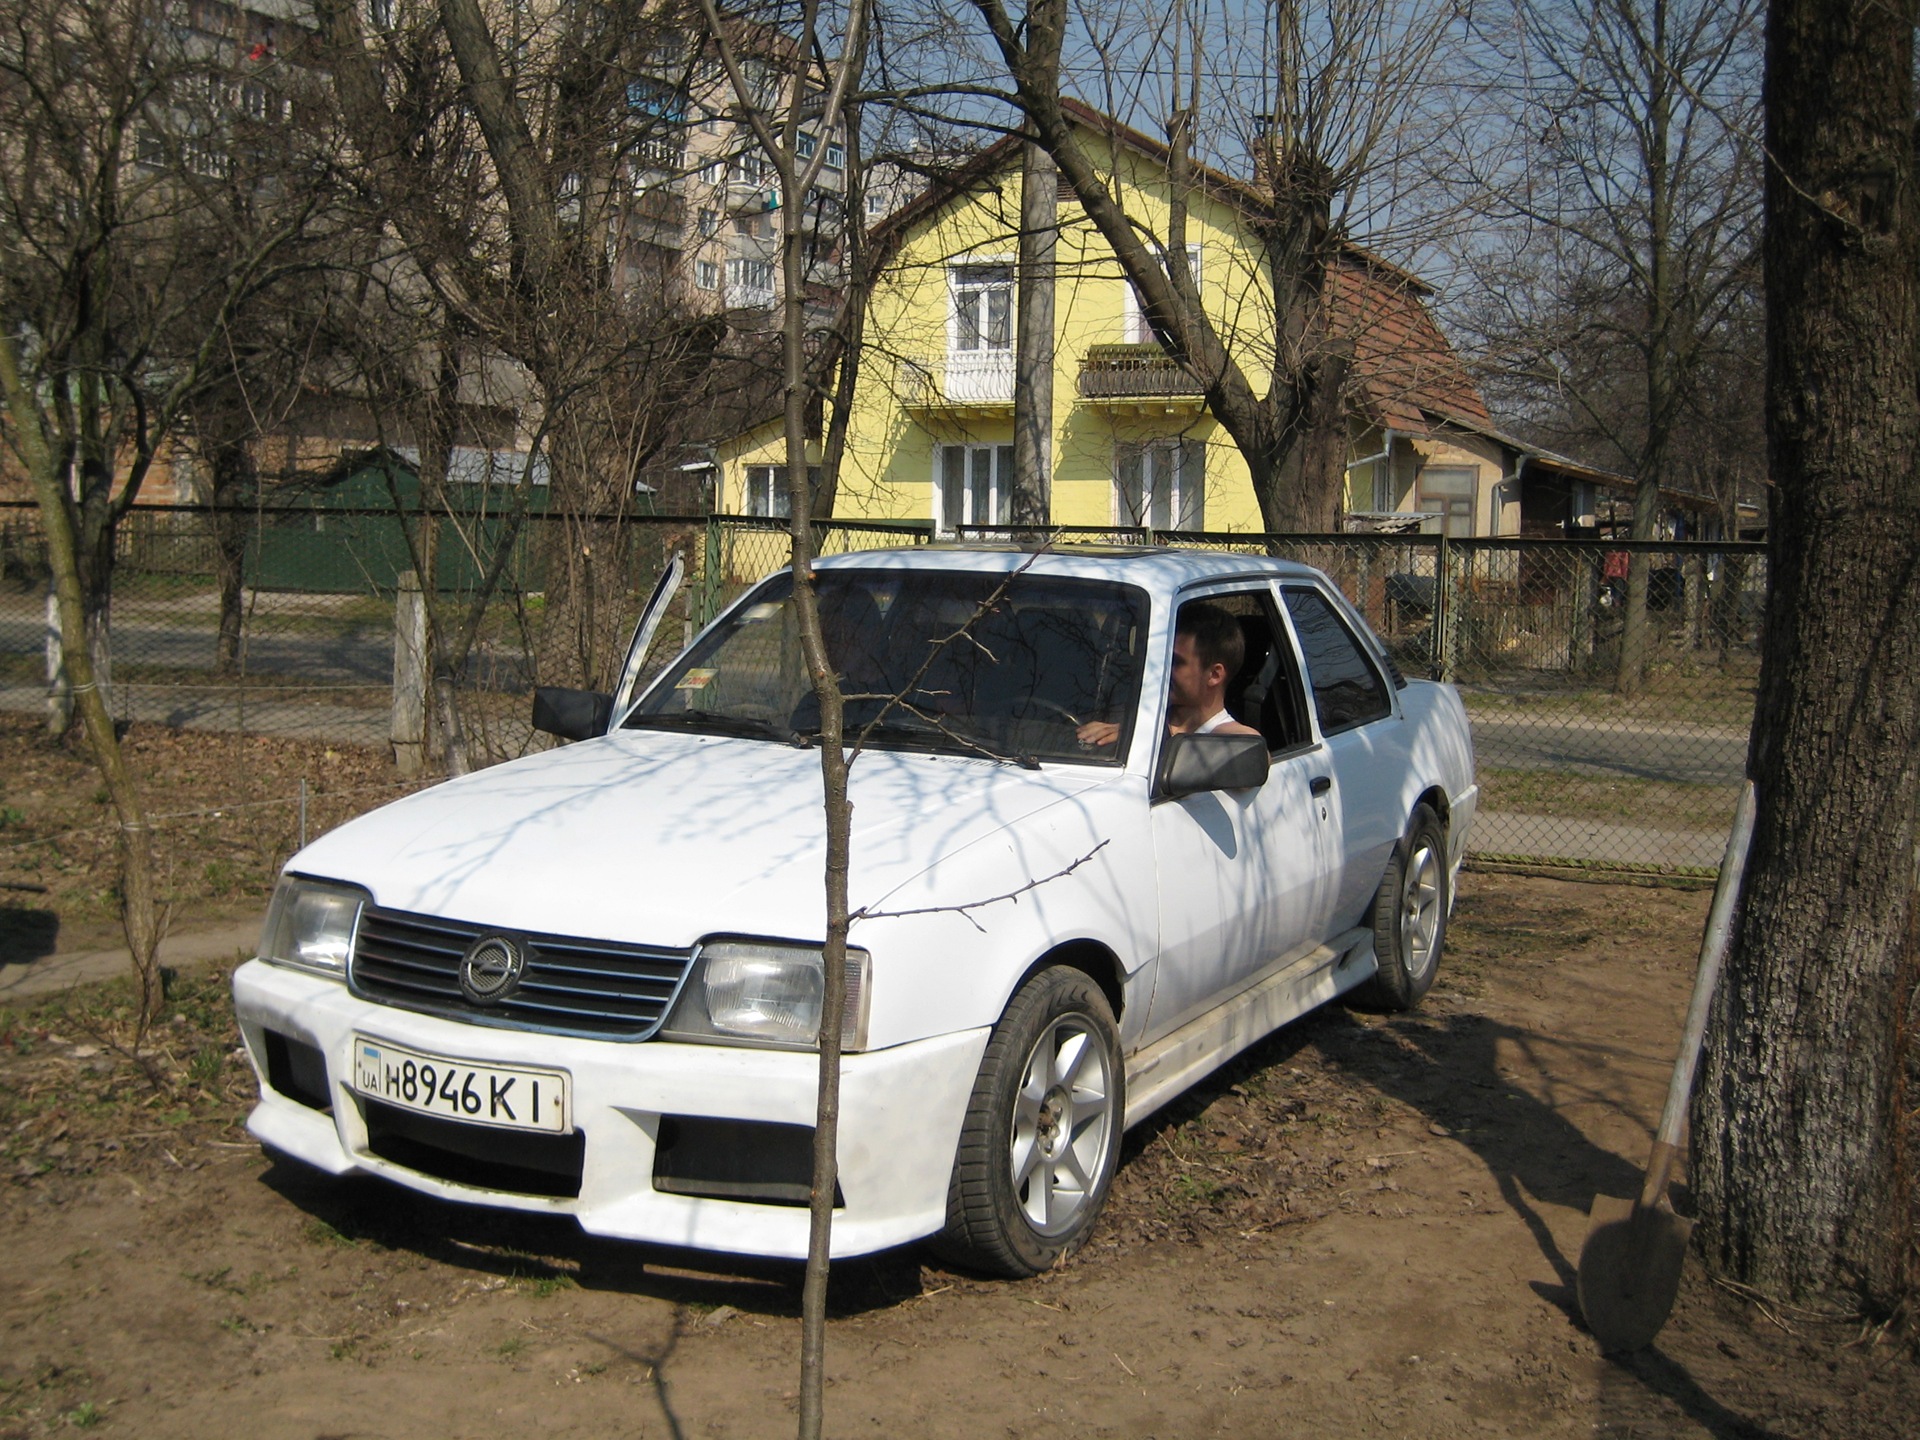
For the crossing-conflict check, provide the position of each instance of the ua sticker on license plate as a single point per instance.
(513, 1098)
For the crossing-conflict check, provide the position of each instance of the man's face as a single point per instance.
(1189, 685)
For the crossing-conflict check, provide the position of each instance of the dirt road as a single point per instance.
(1365, 1227)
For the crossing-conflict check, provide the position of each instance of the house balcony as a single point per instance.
(1138, 377)
(958, 380)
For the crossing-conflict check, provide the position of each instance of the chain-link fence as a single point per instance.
(284, 623)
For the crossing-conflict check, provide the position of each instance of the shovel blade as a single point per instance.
(1630, 1271)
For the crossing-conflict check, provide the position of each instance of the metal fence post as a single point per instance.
(710, 574)
(1443, 611)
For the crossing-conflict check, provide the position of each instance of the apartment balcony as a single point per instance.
(958, 380)
(659, 155)
(752, 197)
(1137, 377)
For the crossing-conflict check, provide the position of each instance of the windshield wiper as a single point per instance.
(718, 722)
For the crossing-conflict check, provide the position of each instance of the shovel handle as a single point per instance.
(1713, 950)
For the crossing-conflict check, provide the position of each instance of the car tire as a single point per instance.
(1042, 1133)
(1410, 916)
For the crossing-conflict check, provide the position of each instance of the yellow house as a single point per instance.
(1133, 444)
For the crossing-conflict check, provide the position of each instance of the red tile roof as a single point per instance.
(1406, 373)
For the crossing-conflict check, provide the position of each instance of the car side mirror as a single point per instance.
(571, 714)
(1192, 763)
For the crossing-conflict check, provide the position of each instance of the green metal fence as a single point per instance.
(1580, 767)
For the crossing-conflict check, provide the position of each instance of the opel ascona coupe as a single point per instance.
(587, 982)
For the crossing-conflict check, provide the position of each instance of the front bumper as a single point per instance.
(900, 1115)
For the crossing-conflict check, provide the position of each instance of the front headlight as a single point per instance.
(310, 925)
(768, 993)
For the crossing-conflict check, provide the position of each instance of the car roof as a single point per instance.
(1160, 568)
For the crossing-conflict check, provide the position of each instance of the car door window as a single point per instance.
(1347, 688)
(1265, 690)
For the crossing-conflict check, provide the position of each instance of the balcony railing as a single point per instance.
(660, 153)
(1126, 372)
(958, 377)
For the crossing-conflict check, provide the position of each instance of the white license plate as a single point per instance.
(512, 1098)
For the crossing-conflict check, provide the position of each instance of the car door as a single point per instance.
(1364, 756)
(627, 689)
(1244, 878)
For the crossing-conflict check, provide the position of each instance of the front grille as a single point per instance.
(599, 988)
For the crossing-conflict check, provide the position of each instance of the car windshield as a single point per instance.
(1004, 666)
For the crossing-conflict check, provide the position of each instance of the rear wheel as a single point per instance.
(1042, 1133)
(1410, 916)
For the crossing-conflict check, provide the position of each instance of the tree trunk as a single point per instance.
(235, 487)
(140, 913)
(1633, 634)
(1034, 349)
(1303, 482)
(1803, 1182)
(581, 572)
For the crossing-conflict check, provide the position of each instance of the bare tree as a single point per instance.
(137, 232)
(1625, 205)
(829, 46)
(1802, 1122)
(1324, 131)
(505, 163)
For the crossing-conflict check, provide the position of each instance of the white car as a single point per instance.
(588, 982)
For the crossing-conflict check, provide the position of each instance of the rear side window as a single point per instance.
(1347, 689)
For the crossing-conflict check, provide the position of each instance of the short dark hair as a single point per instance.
(1216, 635)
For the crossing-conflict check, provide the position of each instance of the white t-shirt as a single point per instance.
(1213, 722)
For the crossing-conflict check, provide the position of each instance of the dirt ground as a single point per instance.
(1367, 1225)
(225, 809)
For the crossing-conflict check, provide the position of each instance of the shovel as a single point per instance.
(1630, 1264)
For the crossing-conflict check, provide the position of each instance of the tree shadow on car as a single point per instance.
(520, 1245)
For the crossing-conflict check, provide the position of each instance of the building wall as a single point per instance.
(894, 440)
(912, 402)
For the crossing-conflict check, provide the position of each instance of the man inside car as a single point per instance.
(1208, 650)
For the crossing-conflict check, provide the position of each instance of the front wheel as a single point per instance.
(1042, 1133)
(1410, 916)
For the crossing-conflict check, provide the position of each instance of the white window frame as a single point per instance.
(1172, 483)
(1134, 318)
(967, 466)
(706, 274)
(976, 281)
(766, 491)
(744, 287)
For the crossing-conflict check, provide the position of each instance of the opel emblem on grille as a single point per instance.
(490, 970)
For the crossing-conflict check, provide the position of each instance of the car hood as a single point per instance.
(665, 838)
